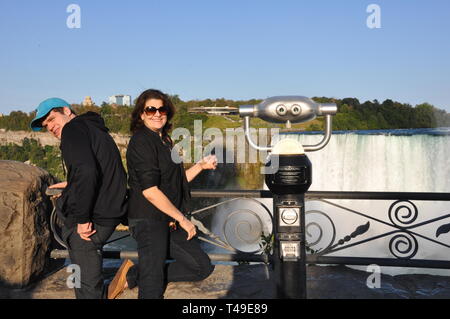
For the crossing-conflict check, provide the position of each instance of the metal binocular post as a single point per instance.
(289, 176)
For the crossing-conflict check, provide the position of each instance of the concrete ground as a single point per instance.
(255, 282)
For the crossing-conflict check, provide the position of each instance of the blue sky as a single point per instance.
(233, 49)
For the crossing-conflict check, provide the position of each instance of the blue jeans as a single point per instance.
(156, 243)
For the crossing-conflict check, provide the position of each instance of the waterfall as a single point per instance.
(394, 161)
(389, 163)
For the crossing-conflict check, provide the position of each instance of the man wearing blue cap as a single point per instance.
(93, 201)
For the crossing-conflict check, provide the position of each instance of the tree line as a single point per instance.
(372, 115)
(352, 115)
(31, 151)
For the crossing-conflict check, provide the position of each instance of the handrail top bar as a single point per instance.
(315, 194)
(231, 193)
(328, 195)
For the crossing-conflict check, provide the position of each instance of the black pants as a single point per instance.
(156, 243)
(88, 256)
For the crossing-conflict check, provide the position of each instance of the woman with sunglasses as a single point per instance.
(159, 193)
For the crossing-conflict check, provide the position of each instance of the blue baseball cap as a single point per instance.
(44, 108)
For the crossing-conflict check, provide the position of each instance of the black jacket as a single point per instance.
(96, 180)
(150, 163)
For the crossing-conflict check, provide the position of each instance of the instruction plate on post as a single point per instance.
(290, 250)
(289, 216)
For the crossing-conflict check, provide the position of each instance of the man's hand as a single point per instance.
(85, 231)
(59, 185)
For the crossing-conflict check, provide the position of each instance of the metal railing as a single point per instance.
(404, 225)
(245, 225)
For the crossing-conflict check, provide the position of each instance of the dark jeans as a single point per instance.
(88, 256)
(156, 243)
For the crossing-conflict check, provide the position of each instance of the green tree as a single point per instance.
(424, 116)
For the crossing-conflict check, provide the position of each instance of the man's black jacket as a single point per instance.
(96, 180)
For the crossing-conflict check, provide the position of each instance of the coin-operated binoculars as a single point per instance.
(289, 178)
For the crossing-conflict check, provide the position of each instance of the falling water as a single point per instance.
(382, 161)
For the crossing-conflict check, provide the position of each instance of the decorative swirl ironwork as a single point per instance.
(444, 229)
(55, 225)
(314, 225)
(237, 231)
(403, 220)
(409, 243)
(308, 233)
(360, 230)
(247, 231)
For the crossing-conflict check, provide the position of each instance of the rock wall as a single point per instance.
(16, 137)
(45, 138)
(25, 239)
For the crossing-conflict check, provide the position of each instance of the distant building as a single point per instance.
(214, 110)
(120, 99)
(1, 115)
(88, 101)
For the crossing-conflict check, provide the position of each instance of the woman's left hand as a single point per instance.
(209, 162)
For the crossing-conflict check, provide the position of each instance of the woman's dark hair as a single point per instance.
(136, 121)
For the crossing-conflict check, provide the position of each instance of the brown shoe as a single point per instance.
(119, 282)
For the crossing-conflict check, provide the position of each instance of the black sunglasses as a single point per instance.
(151, 110)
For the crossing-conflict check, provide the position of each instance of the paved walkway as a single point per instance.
(253, 282)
